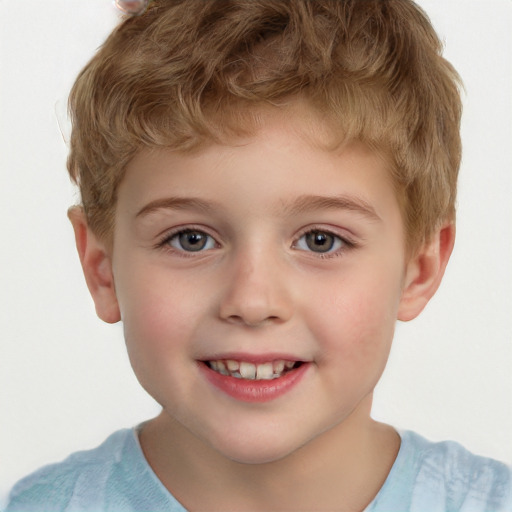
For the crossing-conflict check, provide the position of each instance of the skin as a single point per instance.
(258, 288)
(132, 6)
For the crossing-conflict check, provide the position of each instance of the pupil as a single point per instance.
(319, 242)
(193, 241)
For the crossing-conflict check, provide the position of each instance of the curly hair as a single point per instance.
(189, 72)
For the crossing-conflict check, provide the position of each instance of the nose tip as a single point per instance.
(252, 318)
(257, 295)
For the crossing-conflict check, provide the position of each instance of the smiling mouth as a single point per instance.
(251, 371)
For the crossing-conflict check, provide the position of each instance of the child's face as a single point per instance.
(266, 251)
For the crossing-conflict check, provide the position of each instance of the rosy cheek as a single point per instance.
(145, 322)
(354, 330)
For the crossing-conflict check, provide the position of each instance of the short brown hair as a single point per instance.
(191, 71)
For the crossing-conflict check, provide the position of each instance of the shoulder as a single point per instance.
(445, 474)
(56, 484)
(108, 477)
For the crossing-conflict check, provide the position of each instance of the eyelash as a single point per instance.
(346, 243)
(165, 242)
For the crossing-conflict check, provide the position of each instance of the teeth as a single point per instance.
(232, 365)
(250, 371)
(279, 366)
(221, 368)
(264, 371)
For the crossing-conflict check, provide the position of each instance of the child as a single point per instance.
(266, 187)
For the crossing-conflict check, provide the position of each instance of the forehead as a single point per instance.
(287, 159)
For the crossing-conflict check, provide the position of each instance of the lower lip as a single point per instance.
(255, 390)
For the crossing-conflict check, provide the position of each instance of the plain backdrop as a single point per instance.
(65, 381)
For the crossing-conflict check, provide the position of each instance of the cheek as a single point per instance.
(153, 306)
(155, 321)
(356, 319)
(157, 334)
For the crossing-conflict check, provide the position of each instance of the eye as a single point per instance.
(191, 240)
(320, 241)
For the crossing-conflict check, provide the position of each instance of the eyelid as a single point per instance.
(348, 242)
(342, 233)
(166, 236)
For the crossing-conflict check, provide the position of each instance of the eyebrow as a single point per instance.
(312, 202)
(299, 205)
(177, 203)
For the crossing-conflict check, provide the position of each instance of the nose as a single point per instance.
(257, 292)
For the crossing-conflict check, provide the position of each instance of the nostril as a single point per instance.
(252, 321)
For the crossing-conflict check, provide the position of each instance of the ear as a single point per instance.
(97, 267)
(424, 272)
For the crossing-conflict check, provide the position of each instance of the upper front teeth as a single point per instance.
(245, 370)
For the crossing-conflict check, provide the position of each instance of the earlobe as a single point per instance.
(424, 273)
(97, 267)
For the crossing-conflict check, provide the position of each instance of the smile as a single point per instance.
(251, 381)
(251, 371)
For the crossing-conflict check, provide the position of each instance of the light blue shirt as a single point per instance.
(115, 477)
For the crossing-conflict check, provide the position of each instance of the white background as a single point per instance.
(65, 382)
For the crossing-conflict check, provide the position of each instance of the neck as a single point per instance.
(342, 469)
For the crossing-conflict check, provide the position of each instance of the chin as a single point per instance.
(258, 448)
(256, 454)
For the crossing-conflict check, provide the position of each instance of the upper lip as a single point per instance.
(252, 358)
